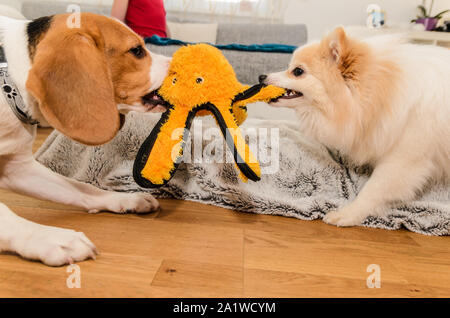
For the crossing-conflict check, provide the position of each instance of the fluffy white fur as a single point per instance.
(21, 173)
(381, 102)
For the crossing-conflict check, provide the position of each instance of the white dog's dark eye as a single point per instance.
(298, 71)
(138, 51)
(199, 80)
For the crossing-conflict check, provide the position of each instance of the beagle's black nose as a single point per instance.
(262, 78)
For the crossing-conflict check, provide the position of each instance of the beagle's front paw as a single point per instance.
(127, 203)
(346, 216)
(53, 246)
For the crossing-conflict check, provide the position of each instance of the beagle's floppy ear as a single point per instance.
(71, 82)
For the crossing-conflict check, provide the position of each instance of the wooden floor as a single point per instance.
(193, 250)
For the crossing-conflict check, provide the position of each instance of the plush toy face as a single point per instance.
(197, 75)
(200, 81)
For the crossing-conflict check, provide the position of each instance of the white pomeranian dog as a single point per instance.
(380, 102)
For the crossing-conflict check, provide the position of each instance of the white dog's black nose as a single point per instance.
(262, 78)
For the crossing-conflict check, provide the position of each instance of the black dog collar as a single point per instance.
(12, 94)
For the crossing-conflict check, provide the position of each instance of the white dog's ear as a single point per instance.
(345, 52)
(337, 42)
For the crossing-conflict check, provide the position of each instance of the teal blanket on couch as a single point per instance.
(275, 48)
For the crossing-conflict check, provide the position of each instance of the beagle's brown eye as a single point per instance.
(138, 51)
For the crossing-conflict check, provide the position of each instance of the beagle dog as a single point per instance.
(81, 80)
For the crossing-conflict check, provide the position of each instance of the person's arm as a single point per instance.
(119, 9)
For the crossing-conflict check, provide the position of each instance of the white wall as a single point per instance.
(14, 3)
(322, 15)
(18, 3)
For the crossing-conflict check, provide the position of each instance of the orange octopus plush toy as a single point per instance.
(200, 81)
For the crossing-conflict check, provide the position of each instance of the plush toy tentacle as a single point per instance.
(162, 151)
(243, 157)
(262, 93)
(240, 114)
(253, 94)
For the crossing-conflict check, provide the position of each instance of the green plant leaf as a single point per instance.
(440, 14)
(423, 11)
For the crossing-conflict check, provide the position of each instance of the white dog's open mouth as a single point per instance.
(290, 94)
(154, 102)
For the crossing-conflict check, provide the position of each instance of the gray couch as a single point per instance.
(248, 65)
(36, 9)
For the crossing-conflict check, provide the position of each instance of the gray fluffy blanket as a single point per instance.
(309, 181)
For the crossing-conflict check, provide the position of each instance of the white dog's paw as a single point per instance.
(346, 216)
(128, 202)
(54, 246)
